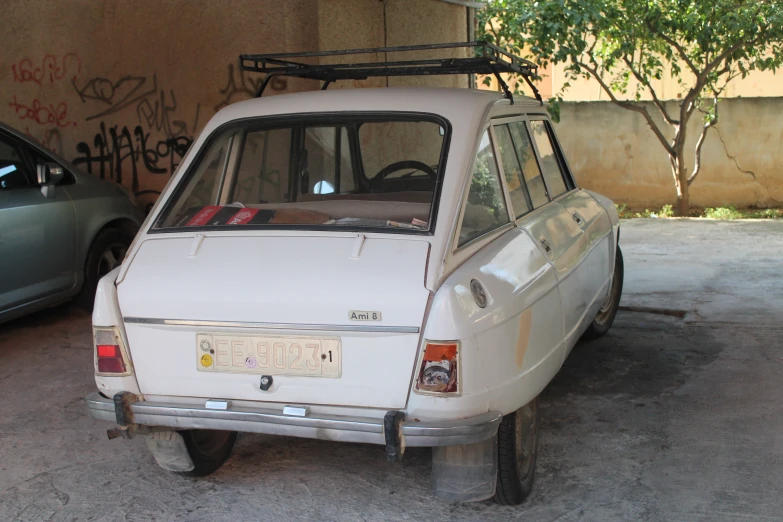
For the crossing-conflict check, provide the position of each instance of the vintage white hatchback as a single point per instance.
(403, 267)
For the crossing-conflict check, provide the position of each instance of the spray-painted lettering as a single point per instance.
(51, 69)
(116, 149)
(41, 113)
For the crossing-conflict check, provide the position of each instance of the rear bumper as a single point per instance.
(273, 422)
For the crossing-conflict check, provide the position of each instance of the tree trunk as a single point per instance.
(683, 203)
(680, 175)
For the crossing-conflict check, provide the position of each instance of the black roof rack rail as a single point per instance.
(487, 59)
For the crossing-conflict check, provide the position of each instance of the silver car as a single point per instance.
(61, 229)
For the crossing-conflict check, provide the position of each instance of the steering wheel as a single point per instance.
(400, 165)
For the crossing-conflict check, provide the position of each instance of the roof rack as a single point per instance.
(487, 59)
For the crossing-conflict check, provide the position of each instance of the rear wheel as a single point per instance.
(605, 317)
(517, 454)
(208, 449)
(107, 251)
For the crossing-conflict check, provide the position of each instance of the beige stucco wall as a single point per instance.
(121, 87)
(614, 152)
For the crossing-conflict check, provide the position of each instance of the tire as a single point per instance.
(517, 454)
(106, 253)
(208, 449)
(605, 316)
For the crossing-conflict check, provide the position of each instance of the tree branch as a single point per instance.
(680, 49)
(631, 107)
(655, 98)
(731, 50)
(707, 126)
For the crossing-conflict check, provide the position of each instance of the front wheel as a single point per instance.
(517, 453)
(208, 449)
(605, 317)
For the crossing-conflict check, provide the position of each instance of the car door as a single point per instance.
(519, 329)
(546, 220)
(592, 273)
(37, 235)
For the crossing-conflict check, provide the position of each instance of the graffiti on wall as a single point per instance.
(116, 150)
(154, 142)
(240, 85)
(49, 69)
(42, 113)
(113, 96)
(132, 127)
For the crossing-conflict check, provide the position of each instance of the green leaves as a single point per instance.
(642, 39)
(626, 45)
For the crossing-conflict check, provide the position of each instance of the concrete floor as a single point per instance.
(663, 419)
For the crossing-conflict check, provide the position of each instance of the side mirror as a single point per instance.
(49, 175)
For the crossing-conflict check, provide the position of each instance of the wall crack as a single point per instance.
(734, 158)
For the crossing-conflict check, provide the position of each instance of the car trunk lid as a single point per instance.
(333, 319)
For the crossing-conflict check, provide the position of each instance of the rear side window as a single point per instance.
(530, 169)
(549, 163)
(485, 209)
(264, 167)
(204, 189)
(512, 171)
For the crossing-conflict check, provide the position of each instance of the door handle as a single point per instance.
(577, 218)
(546, 246)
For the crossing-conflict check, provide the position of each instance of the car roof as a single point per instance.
(451, 103)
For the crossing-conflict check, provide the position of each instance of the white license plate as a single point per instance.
(268, 355)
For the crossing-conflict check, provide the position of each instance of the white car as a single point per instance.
(404, 267)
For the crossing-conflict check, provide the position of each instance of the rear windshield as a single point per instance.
(357, 172)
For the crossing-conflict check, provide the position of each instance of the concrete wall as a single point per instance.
(614, 152)
(122, 87)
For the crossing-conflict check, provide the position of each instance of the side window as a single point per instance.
(318, 170)
(512, 171)
(346, 178)
(12, 167)
(549, 163)
(202, 189)
(263, 174)
(328, 155)
(530, 170)
(485, 209)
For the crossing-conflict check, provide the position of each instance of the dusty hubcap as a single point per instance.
(606, 308)
(525, 431)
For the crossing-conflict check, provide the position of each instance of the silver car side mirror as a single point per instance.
(49, 175)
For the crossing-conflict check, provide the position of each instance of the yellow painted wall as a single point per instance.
(121, 87)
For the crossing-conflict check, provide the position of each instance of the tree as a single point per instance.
(703, 44)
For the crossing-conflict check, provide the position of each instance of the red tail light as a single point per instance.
(439, 370)
(108, 352)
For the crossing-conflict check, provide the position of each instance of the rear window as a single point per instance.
(357, 172)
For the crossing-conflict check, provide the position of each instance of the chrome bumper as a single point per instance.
(273, 422)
